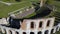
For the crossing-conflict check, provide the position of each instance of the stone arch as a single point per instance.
(31, 32)
(40, 24)
(32, 25)
(24, 32)
(39, 32)
(17, 32)
(57, 28)
(48, 23)
(46, 32)
(52, 31)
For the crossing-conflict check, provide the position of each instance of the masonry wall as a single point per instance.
(36, 29)
(26, 25)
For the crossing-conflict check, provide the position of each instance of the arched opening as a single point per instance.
(17, 32)
(32, 24)
(57, 28)
(48, 22)
(31, 32)
(52, 31)
(46, 32)
(40, 24)
(24, 32)
(39, 32)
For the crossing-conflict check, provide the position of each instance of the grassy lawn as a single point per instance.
(4, 9)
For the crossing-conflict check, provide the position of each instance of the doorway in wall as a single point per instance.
(31, 32)
(39, 32)
(52, 31)
(46, 32)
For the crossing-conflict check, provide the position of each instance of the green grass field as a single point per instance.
(5, 9)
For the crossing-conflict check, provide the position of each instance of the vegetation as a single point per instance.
(4, 9)
(56, 13)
